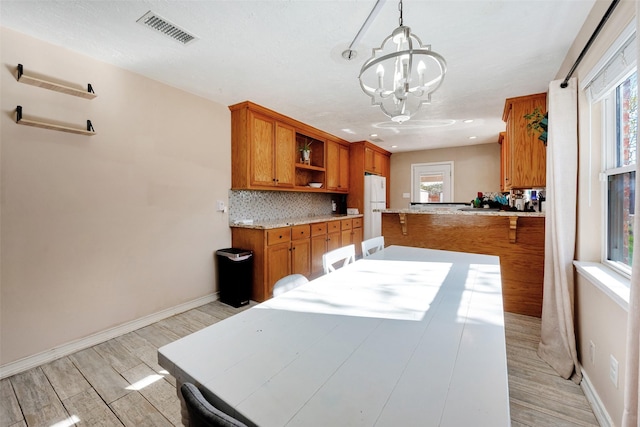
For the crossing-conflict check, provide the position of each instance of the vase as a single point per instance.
(306, 154)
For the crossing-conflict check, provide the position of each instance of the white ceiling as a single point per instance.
(286, 55)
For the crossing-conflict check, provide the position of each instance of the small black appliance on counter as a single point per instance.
(338, 204)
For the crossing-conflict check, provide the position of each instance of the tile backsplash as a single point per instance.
(275, 205)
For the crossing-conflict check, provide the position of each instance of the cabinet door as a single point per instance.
(369, 160)
(526, 153)
(343, 169)
(346, 237)
(333, 241)
(285, 155)
(301, 257)
(318, 248)
(333, 165)
(356, 239)
(278, 264)
(262, 151)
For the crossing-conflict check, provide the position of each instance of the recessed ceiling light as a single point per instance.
(472, 137)
(468, 121)
(394, 146)
(373, 135)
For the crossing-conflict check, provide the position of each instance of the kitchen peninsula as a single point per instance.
(516, 237)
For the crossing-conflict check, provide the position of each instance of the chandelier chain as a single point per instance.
(400, 9)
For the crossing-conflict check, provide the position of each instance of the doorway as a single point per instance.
(432, 182)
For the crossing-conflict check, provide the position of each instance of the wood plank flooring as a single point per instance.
(119, 382)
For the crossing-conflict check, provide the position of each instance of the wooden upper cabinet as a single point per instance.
(284, 157)
(262, 150)
(365, 157)
(272, 151)
(524, 155)
(374, 161)
(337, 166)
(266, 153)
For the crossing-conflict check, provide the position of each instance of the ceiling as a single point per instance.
(286, 55)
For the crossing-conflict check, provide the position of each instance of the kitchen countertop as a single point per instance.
(478, 211)
(287, 222)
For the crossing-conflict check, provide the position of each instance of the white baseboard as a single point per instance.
(597, 406)
(47, 356)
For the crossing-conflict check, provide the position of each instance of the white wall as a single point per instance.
(101, 230)
(598, 319)
(476, 168)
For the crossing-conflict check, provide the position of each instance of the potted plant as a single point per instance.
(306, 151)
(537, 122)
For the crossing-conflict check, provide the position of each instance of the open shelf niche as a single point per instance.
(315, 170)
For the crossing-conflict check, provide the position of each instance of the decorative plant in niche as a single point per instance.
(537, 122)
(305, 149)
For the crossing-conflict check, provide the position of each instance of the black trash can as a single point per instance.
(235, 275)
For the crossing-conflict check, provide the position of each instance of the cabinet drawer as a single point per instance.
(278, 235)
(318, 229)
(333, 226)
(346, 224)
(357, 222)
(300, 232)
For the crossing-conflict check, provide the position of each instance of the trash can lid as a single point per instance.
(234, 253)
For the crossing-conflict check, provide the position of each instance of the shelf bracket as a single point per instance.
(89, 125)
(403, 223)
(513, 226)
(18, 113)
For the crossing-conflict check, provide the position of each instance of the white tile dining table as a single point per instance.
(405, 337)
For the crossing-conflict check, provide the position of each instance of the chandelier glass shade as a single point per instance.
(402, 74)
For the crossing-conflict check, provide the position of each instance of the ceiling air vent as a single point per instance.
(169, 29)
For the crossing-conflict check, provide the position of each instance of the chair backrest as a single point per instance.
(202, 413)
(288, 283)
(347, 254)
(372, 246)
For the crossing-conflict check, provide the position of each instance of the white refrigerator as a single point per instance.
(375, 197)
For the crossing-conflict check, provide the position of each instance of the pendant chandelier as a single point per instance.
(402, 74)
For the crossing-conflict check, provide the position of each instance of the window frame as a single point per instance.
(609, 156)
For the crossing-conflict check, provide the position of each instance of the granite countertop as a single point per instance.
(479, 211)
(287, 222)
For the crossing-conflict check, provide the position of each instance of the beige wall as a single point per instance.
(101, 230)
(476, 168)
(598, 319)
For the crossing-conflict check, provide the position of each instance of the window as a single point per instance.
(612, 83)
(621, 116)
(432, 182)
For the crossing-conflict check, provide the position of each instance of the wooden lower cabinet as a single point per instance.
(318, 247)
(351, 233)
(301, 250)
(278, 252)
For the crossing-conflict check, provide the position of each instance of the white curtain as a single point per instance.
(557, 341)
(632, 377)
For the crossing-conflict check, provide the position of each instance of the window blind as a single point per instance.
(615, 66)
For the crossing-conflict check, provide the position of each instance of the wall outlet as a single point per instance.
(613, 370)
(220, 207)
(592, 352)
(406, 195)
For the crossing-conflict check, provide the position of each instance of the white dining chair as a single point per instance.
(371, 246)
(346, 254)
(288, 283)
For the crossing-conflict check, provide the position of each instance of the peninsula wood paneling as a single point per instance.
(521, 263)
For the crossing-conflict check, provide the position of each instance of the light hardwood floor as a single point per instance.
(119, 382)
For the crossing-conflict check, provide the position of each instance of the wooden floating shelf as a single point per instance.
(34, 81)
(21, 121)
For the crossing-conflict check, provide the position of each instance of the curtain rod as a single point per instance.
(604, 19)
